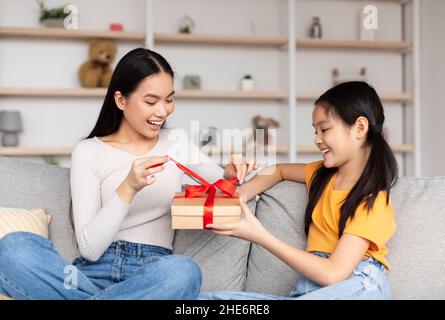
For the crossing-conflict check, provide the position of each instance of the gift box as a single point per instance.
(190, 213)
(208, 203)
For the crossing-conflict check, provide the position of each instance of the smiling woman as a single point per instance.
(141, 90)
(121, 189)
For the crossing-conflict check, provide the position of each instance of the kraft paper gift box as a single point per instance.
(188, 213)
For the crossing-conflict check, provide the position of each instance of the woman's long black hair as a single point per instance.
(129, 72)
(349, 101)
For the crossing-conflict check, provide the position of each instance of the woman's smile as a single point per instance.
(155, 125)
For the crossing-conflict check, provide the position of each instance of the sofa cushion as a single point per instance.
(17, 219)
(281, 211)
(30, 185)
(417, 250)
(222, 259)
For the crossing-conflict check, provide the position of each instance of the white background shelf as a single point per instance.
(66, 151)
(230, 51)
(201, 39)
(184, 94)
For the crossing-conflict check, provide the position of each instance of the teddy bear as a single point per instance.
(260, 122)
(96, 72)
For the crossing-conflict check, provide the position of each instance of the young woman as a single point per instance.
(349, 217)
(121, 208)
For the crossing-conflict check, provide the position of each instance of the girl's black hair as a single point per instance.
(129, 72)
(349, 101)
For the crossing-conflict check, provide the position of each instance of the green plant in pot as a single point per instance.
(52, 18)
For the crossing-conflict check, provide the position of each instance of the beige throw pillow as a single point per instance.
(15, 219)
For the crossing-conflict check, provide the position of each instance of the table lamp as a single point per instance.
(10, 125)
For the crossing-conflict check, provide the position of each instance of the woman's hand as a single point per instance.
(239, 167)
(247, 228)
(140, 175)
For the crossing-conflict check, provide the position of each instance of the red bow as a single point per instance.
(226, 186)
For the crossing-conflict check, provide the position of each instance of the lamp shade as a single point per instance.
(10, 121)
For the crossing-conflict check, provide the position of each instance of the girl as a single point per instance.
(349, 217)
(121, 210)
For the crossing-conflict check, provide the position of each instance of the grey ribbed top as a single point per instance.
(101, 217)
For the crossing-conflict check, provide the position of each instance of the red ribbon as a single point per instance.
(226, 186)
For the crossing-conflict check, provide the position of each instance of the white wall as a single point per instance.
(433, 87)
(222, 67)
(62, 122)
(56, 122)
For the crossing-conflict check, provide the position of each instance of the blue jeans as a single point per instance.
(30, 268)
(367, 282)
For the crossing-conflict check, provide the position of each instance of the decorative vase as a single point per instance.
(209, 137)
(247, 83)
(315, 30)
(54, 22)
(10, 126)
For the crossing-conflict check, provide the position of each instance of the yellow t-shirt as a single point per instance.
(376, 225)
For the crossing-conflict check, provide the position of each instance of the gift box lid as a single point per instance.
(223, 206)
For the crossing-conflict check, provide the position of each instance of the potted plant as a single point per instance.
(186, 24)
(52, 18)
(247, 83)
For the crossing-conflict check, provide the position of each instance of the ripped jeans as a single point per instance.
(368, 281)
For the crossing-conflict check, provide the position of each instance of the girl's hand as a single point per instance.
(140, 175)
(239, 167)
(247, 228)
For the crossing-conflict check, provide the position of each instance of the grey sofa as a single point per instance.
(417, 251)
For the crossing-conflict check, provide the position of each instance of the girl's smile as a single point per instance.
(325, 152)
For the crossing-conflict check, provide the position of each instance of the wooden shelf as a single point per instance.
(59, 33)
(53, 92)
(228, 150)
(279, 41)
(166, 38)
(281, 150)
(353, 44)
(397, 148)
(301, 149)
(181, 94)
(177, 38)
(238, 95)
(31, 151)
(394, 1)
(385, 97)
(163, 38)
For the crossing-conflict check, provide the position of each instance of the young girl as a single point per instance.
(349, 217)
(121, 209)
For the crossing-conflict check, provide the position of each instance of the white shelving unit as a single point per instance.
(406, 98)
(290, 98)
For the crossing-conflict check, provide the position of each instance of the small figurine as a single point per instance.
(315, 30)
(266, 124)
(337, 80)
(191, 82)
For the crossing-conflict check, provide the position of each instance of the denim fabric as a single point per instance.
(368, 281)
(30, 268)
